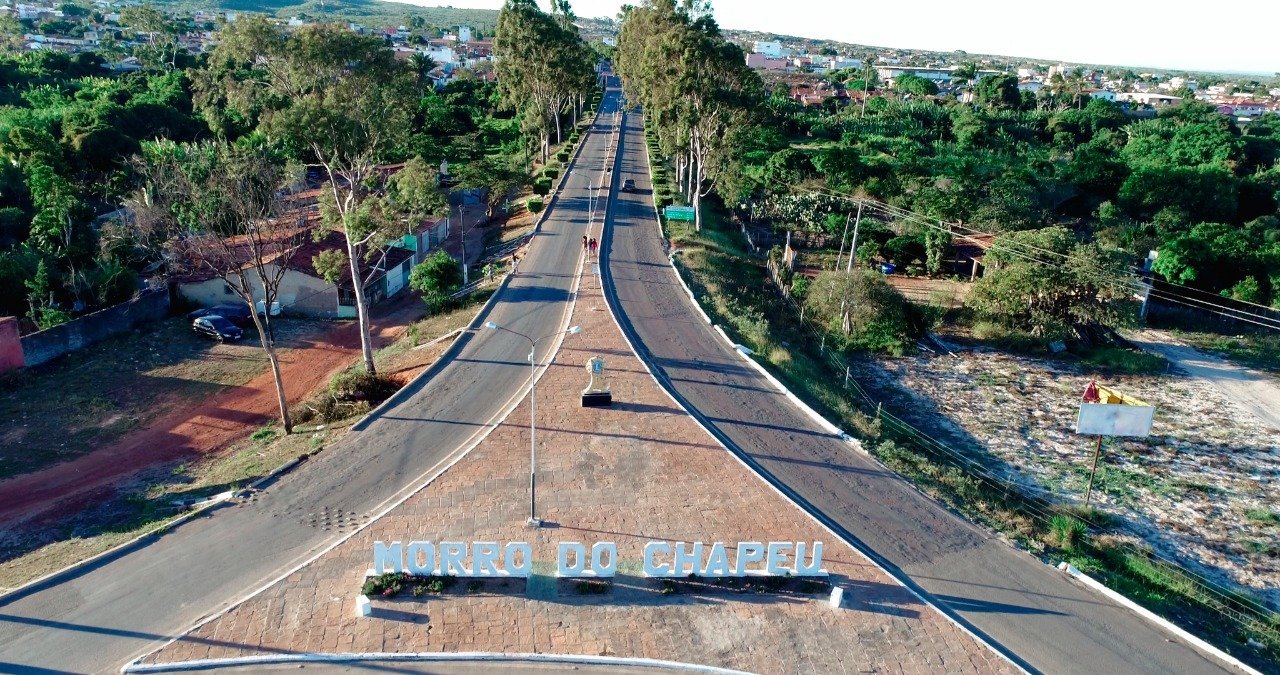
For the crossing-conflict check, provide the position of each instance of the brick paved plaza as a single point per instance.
(640, 471)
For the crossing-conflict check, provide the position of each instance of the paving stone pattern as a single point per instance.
(639, 471)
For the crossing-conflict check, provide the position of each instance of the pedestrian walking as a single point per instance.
(584, 242)
(592, 246)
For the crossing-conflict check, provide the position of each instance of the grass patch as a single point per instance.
(1263, 516)
(731, 287)
(90, 398)
(1256, 350)
(1127, 361)
(154, 500)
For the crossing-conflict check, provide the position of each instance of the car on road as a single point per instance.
(217, 327)
(235, 313)
(628, 185)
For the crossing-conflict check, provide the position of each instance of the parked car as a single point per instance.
(217, 327)
(628, 185)
(235, 313)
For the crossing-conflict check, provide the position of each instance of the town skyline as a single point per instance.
(1003, 28)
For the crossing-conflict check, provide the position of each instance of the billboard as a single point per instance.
(1105, 412)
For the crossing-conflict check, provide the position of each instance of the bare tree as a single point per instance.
(221, 209)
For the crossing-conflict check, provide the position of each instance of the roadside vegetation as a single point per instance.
(734, 289)
(92, 397)
(158, 495)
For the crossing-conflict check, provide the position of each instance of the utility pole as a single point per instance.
(843, 238)
(1097, 450)
(853, 248)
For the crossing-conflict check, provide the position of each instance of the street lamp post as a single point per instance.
(534, 520)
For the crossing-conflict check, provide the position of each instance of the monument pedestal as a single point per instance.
(597, 394)
(597, 399)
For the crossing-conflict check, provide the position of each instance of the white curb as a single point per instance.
(1158, 620)
(424, 480)
(856, 547)
(437, 657)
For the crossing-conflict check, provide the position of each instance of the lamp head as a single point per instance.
(491, 325)
(574, 330)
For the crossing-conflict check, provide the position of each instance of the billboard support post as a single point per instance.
(1097, 450)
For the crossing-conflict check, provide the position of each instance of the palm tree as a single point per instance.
(964, 75)
(421, 66)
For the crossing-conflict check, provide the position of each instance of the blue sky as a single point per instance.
(1238, 36)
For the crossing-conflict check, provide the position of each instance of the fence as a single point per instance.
(1244, 613)
(46, 345)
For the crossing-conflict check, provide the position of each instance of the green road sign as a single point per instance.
(679, 213)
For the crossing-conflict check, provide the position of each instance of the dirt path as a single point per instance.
(195, 430)
(1248, 388)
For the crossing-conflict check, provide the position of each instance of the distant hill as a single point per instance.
(373, 12)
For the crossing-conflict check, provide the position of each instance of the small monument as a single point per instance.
(597, 394)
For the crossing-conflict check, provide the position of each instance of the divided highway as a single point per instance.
(1029, 610)
(103, 615)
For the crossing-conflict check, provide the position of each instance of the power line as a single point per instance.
(1131, 285)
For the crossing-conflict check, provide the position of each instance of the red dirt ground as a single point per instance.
(203, 429)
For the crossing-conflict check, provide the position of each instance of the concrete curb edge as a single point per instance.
(1160, 621)
(119, 549)
(434, 473)
(439, 657)
(786, 493)
(436, 366)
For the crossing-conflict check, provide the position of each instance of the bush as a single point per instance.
(361, 386)
(1066, 532)
(663, 201)
(534, 204)
(563, 155)
(542, 186)
(551, 172)
(436, 278)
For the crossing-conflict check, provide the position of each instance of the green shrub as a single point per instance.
(361, 386)
(263, 435)
(551, 172)
(563, 155)
(534, 204)
(663, 201)
(1066, 533)
(542, 186)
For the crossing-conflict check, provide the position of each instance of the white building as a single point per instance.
(464, 34)
(1153, 100)
(1104, 94)
(442, 55)
(1026, 73)
(771, 49)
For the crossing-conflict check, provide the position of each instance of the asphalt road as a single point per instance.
(99, 618)
(1030, 610)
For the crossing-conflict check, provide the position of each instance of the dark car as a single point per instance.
(218, 328)
(628, 185)
(236, 313)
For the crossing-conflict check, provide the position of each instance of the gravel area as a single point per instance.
(1204, 487)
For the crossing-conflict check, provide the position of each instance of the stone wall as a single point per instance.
(46, 345)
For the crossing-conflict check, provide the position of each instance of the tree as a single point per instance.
(915, 85)
(999, 91)
(542, 65)
(421, 65)
(1046, 282)
(220, 206)
(862, 310)
(332, 97)
(964, 75)
(437, 278)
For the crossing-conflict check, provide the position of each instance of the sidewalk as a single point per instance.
(638, 471)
